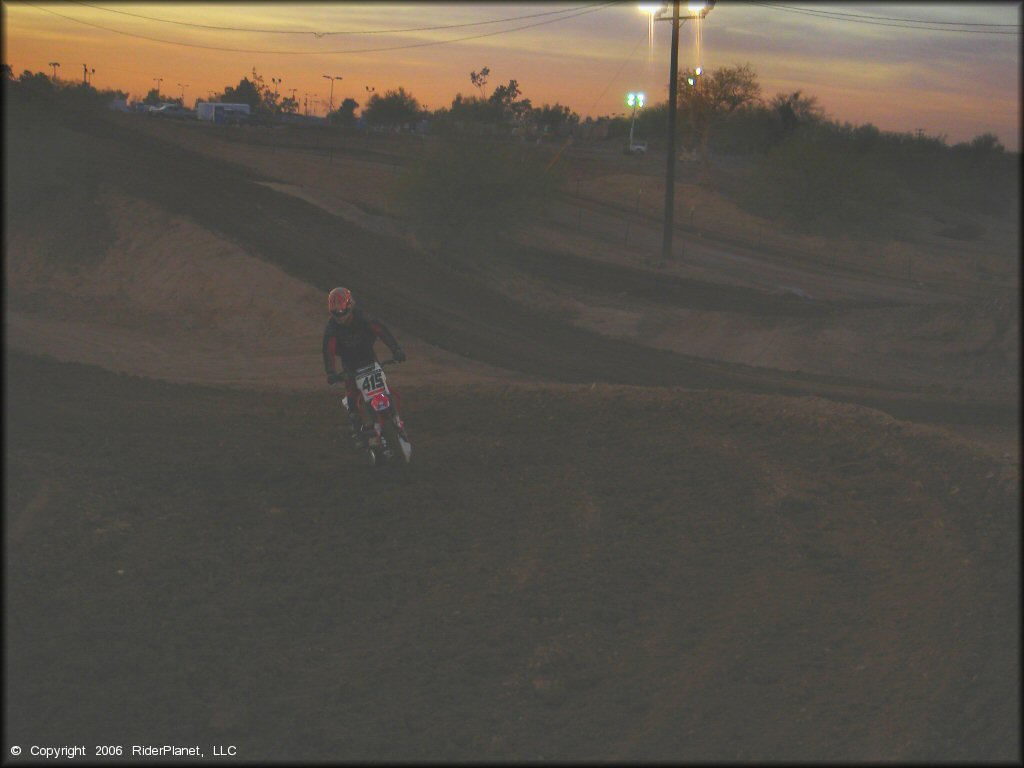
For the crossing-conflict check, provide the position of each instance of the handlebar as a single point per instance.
(382, 363)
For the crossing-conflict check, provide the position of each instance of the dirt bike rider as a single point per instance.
(350, 334)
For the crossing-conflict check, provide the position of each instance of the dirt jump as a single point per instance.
(654, 512)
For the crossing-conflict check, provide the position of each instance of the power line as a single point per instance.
(893, 18)
(326, 34)
(618, 72)
(828, 15)
(315, 53)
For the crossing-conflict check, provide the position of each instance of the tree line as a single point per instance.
(720, 112)
(504, 108)
(803, 168)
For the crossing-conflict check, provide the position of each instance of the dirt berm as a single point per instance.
(601, 551)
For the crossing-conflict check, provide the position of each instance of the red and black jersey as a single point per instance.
(353, 342)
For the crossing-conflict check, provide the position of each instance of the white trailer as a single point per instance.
(219, 113)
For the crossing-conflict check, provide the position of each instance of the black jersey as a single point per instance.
(353, 342)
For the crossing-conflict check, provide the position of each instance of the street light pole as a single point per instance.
(670, 167)
(633, 100)
(332, 79)
(183, 87)
(158, 80)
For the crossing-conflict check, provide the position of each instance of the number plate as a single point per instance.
(371, 380)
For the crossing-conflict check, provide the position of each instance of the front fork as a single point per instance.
(369, 418)
(378, 424)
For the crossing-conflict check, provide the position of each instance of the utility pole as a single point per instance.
(54, 64)
(332, 78)
(700, 9)
(670, 167)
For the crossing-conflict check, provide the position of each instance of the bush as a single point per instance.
(465, 188)
(746, 131)
(823, 192)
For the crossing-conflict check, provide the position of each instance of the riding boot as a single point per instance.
(355, 424)
(368, 436)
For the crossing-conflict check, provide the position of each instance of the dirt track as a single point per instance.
(695, 568)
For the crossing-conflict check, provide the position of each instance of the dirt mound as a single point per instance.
(171, 299)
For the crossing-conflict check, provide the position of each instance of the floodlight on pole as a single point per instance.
(652, 11)
(636, 101)
(332, 78)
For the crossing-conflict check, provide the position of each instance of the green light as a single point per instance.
(630, 99)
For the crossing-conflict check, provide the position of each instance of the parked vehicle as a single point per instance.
(221, 113)
(171, 110)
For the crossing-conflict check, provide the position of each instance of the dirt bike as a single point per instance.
(387, 424)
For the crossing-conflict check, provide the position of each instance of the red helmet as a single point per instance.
(340, 302)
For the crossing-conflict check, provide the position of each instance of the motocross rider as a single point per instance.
(350, 334)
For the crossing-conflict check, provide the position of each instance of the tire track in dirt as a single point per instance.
(666, 289)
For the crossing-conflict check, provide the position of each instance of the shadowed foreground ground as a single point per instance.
(726, 577)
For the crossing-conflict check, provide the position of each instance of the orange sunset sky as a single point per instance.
(947, 69)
